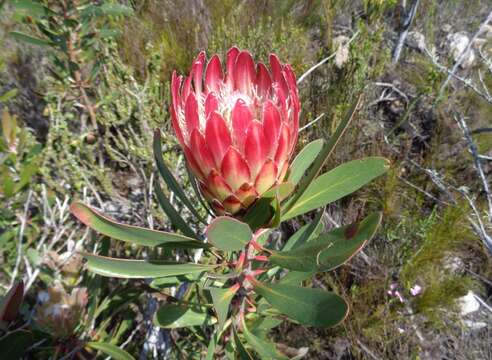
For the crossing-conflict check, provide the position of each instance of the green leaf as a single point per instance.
(266, 211)
(108, 33)
(263, 324)
(230, 352)
(172, 316)
(169, 178)
(329, 250)
(171, 212)
(228, 234)
(7, 185)
(115, 10)
(30, 8)
(311, 307)
(140, 269)
(275, 221)
(130, 233)
(265, 349)
(337, 183)
(323, 155)
(27, 172)
(348, 241)
(222, 299)
(305, 233)
(14, 344)
(6, 236)
(106, 10)
(169, 281)
(240, 349)
(303, 160)
(212, 345)
(260, 213)
(109, 349)
(29, 39)
(198, 195)
(295, 277)
(281, 190)
(8, 95)
(9, 128)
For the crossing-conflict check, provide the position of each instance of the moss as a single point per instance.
(440, 295)
(441, 237)
(444, 236)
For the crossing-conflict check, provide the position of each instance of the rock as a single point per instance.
(397, 107)
(415, 40)
(125, 209)
(134, 182)
(456, 44)
(453, 264)
(341, 348)
(342, 53)
(487, 31)
(468, 304)
(446, 28)
(111, 208)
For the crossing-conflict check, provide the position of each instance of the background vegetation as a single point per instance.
(83, 86)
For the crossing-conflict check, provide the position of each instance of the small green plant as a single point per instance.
(73, 30)
(243, 176)
(20, 156)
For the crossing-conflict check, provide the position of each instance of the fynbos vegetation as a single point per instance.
(245, 179)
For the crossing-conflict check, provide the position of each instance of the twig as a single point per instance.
(129, 338)
(403, 35)
(367, 351)
(481, 301)
(465, 82)
(422, 191)
(79, 81)
(22, 228)
(478, 165)
(394, 88)
(477, 225)
(314, 67)
(481, 130)
(464, 53)
(311, 123)
(485, 280)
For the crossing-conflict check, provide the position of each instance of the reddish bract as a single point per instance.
(238, 128)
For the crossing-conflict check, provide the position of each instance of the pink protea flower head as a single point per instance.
(238, 127)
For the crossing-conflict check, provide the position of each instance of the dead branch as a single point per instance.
(407, 23)
(476, 161)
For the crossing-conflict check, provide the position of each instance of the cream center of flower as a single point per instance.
(226, 100)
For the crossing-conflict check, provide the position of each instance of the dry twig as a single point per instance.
(406, 27)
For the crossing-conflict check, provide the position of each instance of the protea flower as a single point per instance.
(238, 127)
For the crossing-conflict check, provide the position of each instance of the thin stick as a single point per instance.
(367, 351)
(466, 82)
(478, 164)
(22, 228)
(403, 35)
(314, 67)
(312, 122)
